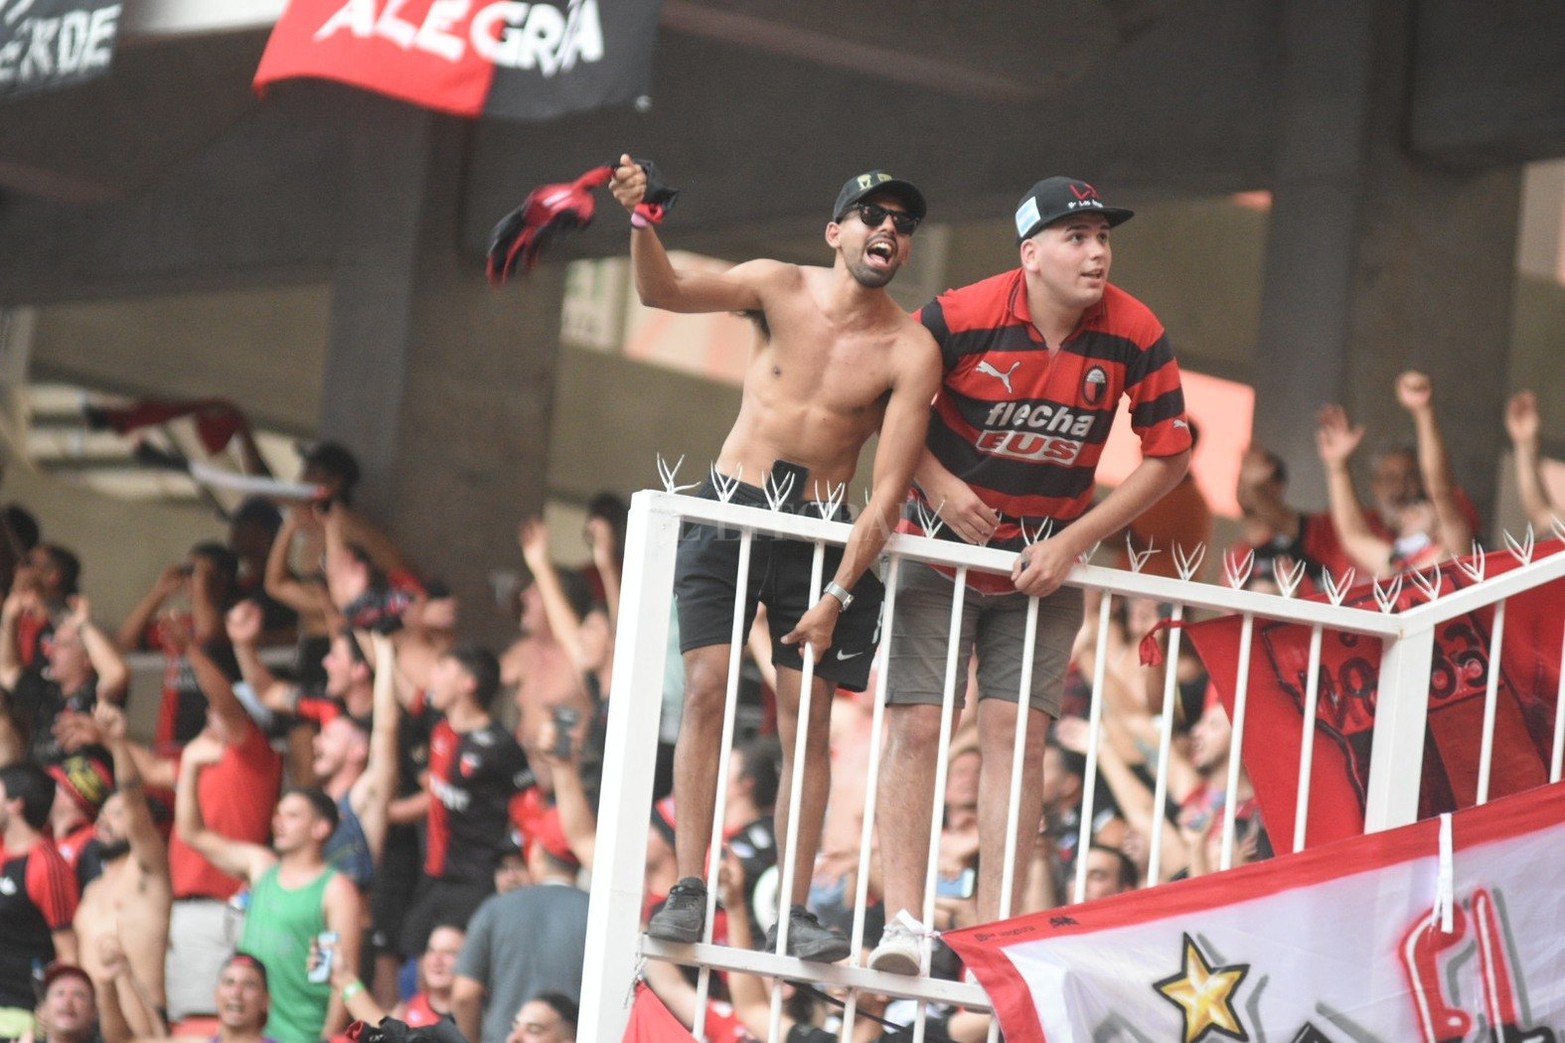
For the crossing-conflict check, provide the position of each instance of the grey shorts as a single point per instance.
(992, 624)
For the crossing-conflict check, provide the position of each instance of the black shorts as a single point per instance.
(706, 576)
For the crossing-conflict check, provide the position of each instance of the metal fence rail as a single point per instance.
(615, 944)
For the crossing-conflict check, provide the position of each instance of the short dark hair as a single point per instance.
(31, 785)
(562, 1005)
(222, 559)
(257, 510)
(482, 667)
(322, 804)
(334, 459)
(1128, 875)
(69, 564)
(758, 762)
(19, 521)
(1074, 763)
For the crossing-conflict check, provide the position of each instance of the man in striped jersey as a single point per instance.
(1036, 360)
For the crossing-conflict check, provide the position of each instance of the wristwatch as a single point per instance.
(843, 595)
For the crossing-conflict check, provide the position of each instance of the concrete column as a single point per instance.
(442, 386)
(1369, 248)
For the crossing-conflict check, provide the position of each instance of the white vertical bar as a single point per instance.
(1018, 759)
(790, 867)
(872, 785)
(1165, 743)
(1491, 703)
(1559, 720)
(1301, 809)
(1089, 782)
(1236, 744)
(1401, 713)
(937, 814)
(736, 643)
(630, 756)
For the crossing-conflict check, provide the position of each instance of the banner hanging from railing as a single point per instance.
(523, 61)
(1379, 938)
(1349, 684)
(49, 44)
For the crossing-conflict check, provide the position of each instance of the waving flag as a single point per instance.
(1349, 682)
(1344, 943)
(502, 58)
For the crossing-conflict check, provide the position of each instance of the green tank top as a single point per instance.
(278, 930)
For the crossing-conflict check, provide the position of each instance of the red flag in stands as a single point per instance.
(1349, 678)
(1346, 942)
(472, 57)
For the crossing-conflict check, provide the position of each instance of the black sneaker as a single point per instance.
(683, 916)
(809, 939)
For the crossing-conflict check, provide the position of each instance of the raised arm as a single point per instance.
(146, 842)
(901, 441)
(16, 604)
(107, 663)
(229, 714)
(344, 909)
(373, 791)
(658, 282)
(1522, 424)
(234, 857)
(135, 625)
(244, 624)
(605, 556)
(1337, 440)
(1416, 393)
(570, 797)
(306, 597)
(1260, 494)
(533, 537)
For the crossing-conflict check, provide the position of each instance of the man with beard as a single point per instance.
(130, 900)
(837, 362)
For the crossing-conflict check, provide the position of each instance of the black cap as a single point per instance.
(1057, 197)
(876, 181)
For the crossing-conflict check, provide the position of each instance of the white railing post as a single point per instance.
(629, 762)
(1396, 757)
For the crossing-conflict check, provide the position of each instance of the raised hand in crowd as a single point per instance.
(1523, 424)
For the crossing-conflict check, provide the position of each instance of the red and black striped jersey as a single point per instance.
(1025, 428)
(472, 776)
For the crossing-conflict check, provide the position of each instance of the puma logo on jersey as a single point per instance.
(1004, 378)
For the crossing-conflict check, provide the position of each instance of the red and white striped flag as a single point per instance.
(1345, 943)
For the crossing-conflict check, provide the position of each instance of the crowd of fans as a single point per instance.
(387, 820)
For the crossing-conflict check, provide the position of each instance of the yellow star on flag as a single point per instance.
(1205, 995)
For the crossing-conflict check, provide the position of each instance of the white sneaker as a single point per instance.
(902, 946)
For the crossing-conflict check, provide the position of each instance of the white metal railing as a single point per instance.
(615, 946)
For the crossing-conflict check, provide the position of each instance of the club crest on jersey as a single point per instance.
(1094, 386)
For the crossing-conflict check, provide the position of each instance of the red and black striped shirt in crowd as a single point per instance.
(1025, 429)
(38, 896)
(472, 777)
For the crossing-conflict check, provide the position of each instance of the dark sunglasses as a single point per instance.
(875, 216)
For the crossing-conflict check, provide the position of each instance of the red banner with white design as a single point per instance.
(1528, 687)
(1344, 943)
(472, 57)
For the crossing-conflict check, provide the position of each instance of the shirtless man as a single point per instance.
(130, 901)
(838, 361)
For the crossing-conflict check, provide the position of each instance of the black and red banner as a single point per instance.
(49, 44)
(1527, 689)
(505, 58)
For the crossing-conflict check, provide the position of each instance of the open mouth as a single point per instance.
(882, 250)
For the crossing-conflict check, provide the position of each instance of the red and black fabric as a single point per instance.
(1349, 689)
(550, 210)
(217, 420)
(487, 58)
(38, 896)
(472, 777)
